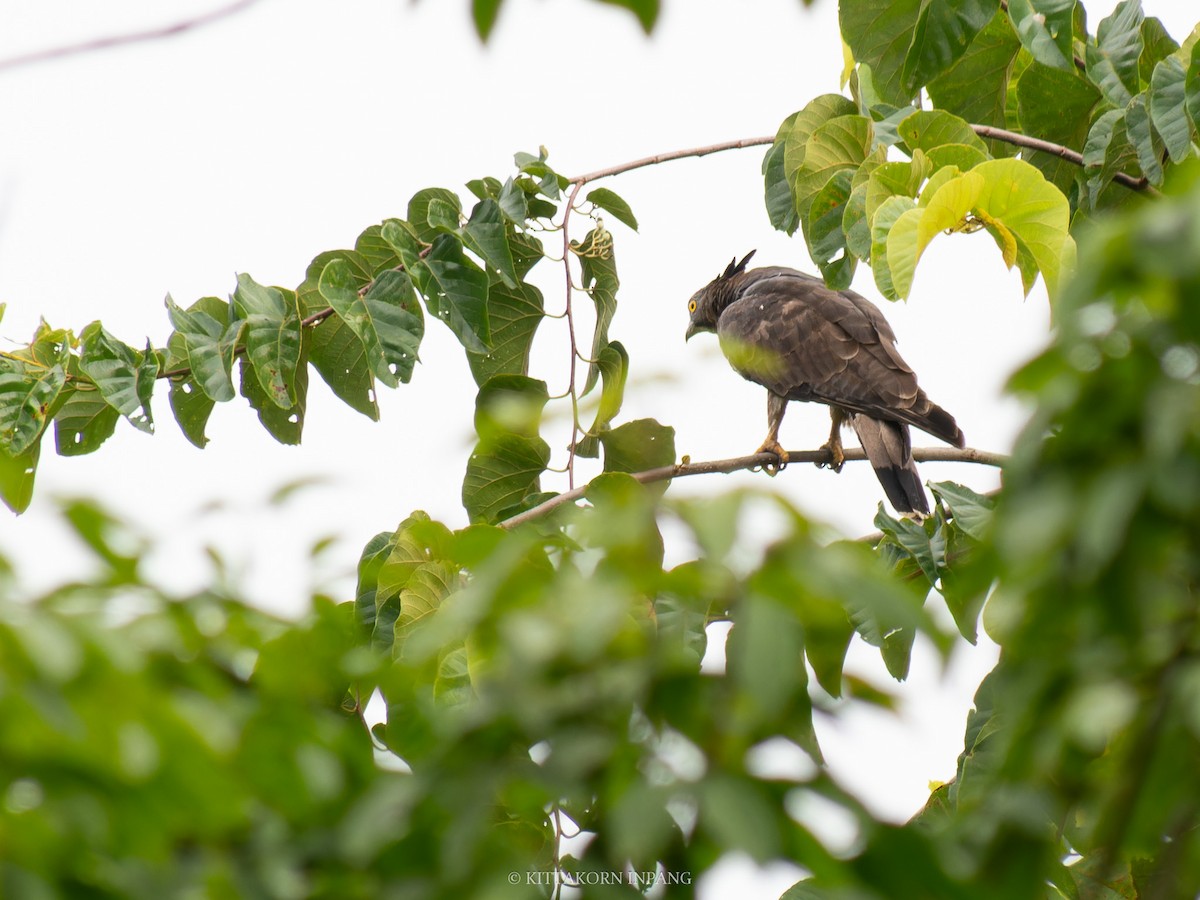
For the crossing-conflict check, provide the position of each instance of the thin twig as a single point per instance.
(116, 40)
(667, 157)
(683, 469)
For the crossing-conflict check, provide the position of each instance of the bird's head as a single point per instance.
(710, 301)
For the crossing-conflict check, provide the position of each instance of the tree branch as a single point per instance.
(1071, 156)
(667, 157)
(724, 466)
(117, 40)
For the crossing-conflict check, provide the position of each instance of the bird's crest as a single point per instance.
(735, 267)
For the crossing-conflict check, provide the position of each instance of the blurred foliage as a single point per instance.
(553, 678)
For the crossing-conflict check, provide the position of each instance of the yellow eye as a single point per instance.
(691, 306)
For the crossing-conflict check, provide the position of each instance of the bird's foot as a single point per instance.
(773, 446)
(837, 458)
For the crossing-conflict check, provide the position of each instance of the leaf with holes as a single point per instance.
(387, 318)
(27, 393)
(272, 334)
(456, 292)
(208, 343)
(85, 422)
(285, 425)
(335, 351)
(17, 474)
(124, 376)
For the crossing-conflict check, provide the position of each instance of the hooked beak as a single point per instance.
(692, 329)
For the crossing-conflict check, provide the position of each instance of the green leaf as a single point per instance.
(944, 31)
(433, 212)
(1007, 194)
(880, 33)
(424, 590)
(896, 179)
(273, 338)
(614, 370)
(765, 656)
(610, 202)
(483, 13)
(739, 816)
(598, 266)
(824, 234)
(335, 351)
(124, 376)
(1168, 108)
(645, 10)
(513, 315)
(456, 291)
(501, 473)
(85, 422)
(209, 344)
(855, 223)
(929, 129)
(387, 318)
(510, 404)
(506, 464)
(1112, 62)
(637, 446)
(892, 210)
(1146, 142)
(975, 87)
(777, 193)
(1045, 29)
(17, 473)
(1057, 107)
(191, 407)
(841, 143)
(913, 538)
(904, 250)
(285, 425)
(1106, 152)
(27, 393)
(487, 235)
(958, 156)
(799, 127)
(373, 252)
(972, 512)
(886, 120)
(1157, 45)
(1192, 85)
(513, 203)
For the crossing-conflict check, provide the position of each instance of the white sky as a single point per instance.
(254, 144)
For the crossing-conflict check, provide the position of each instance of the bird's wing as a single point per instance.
(801, 340)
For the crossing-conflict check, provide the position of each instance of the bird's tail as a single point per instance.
(889, 449)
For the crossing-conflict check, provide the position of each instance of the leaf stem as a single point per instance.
(569, 312)
(738, 463)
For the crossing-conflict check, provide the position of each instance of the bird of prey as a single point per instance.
(801, 340)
